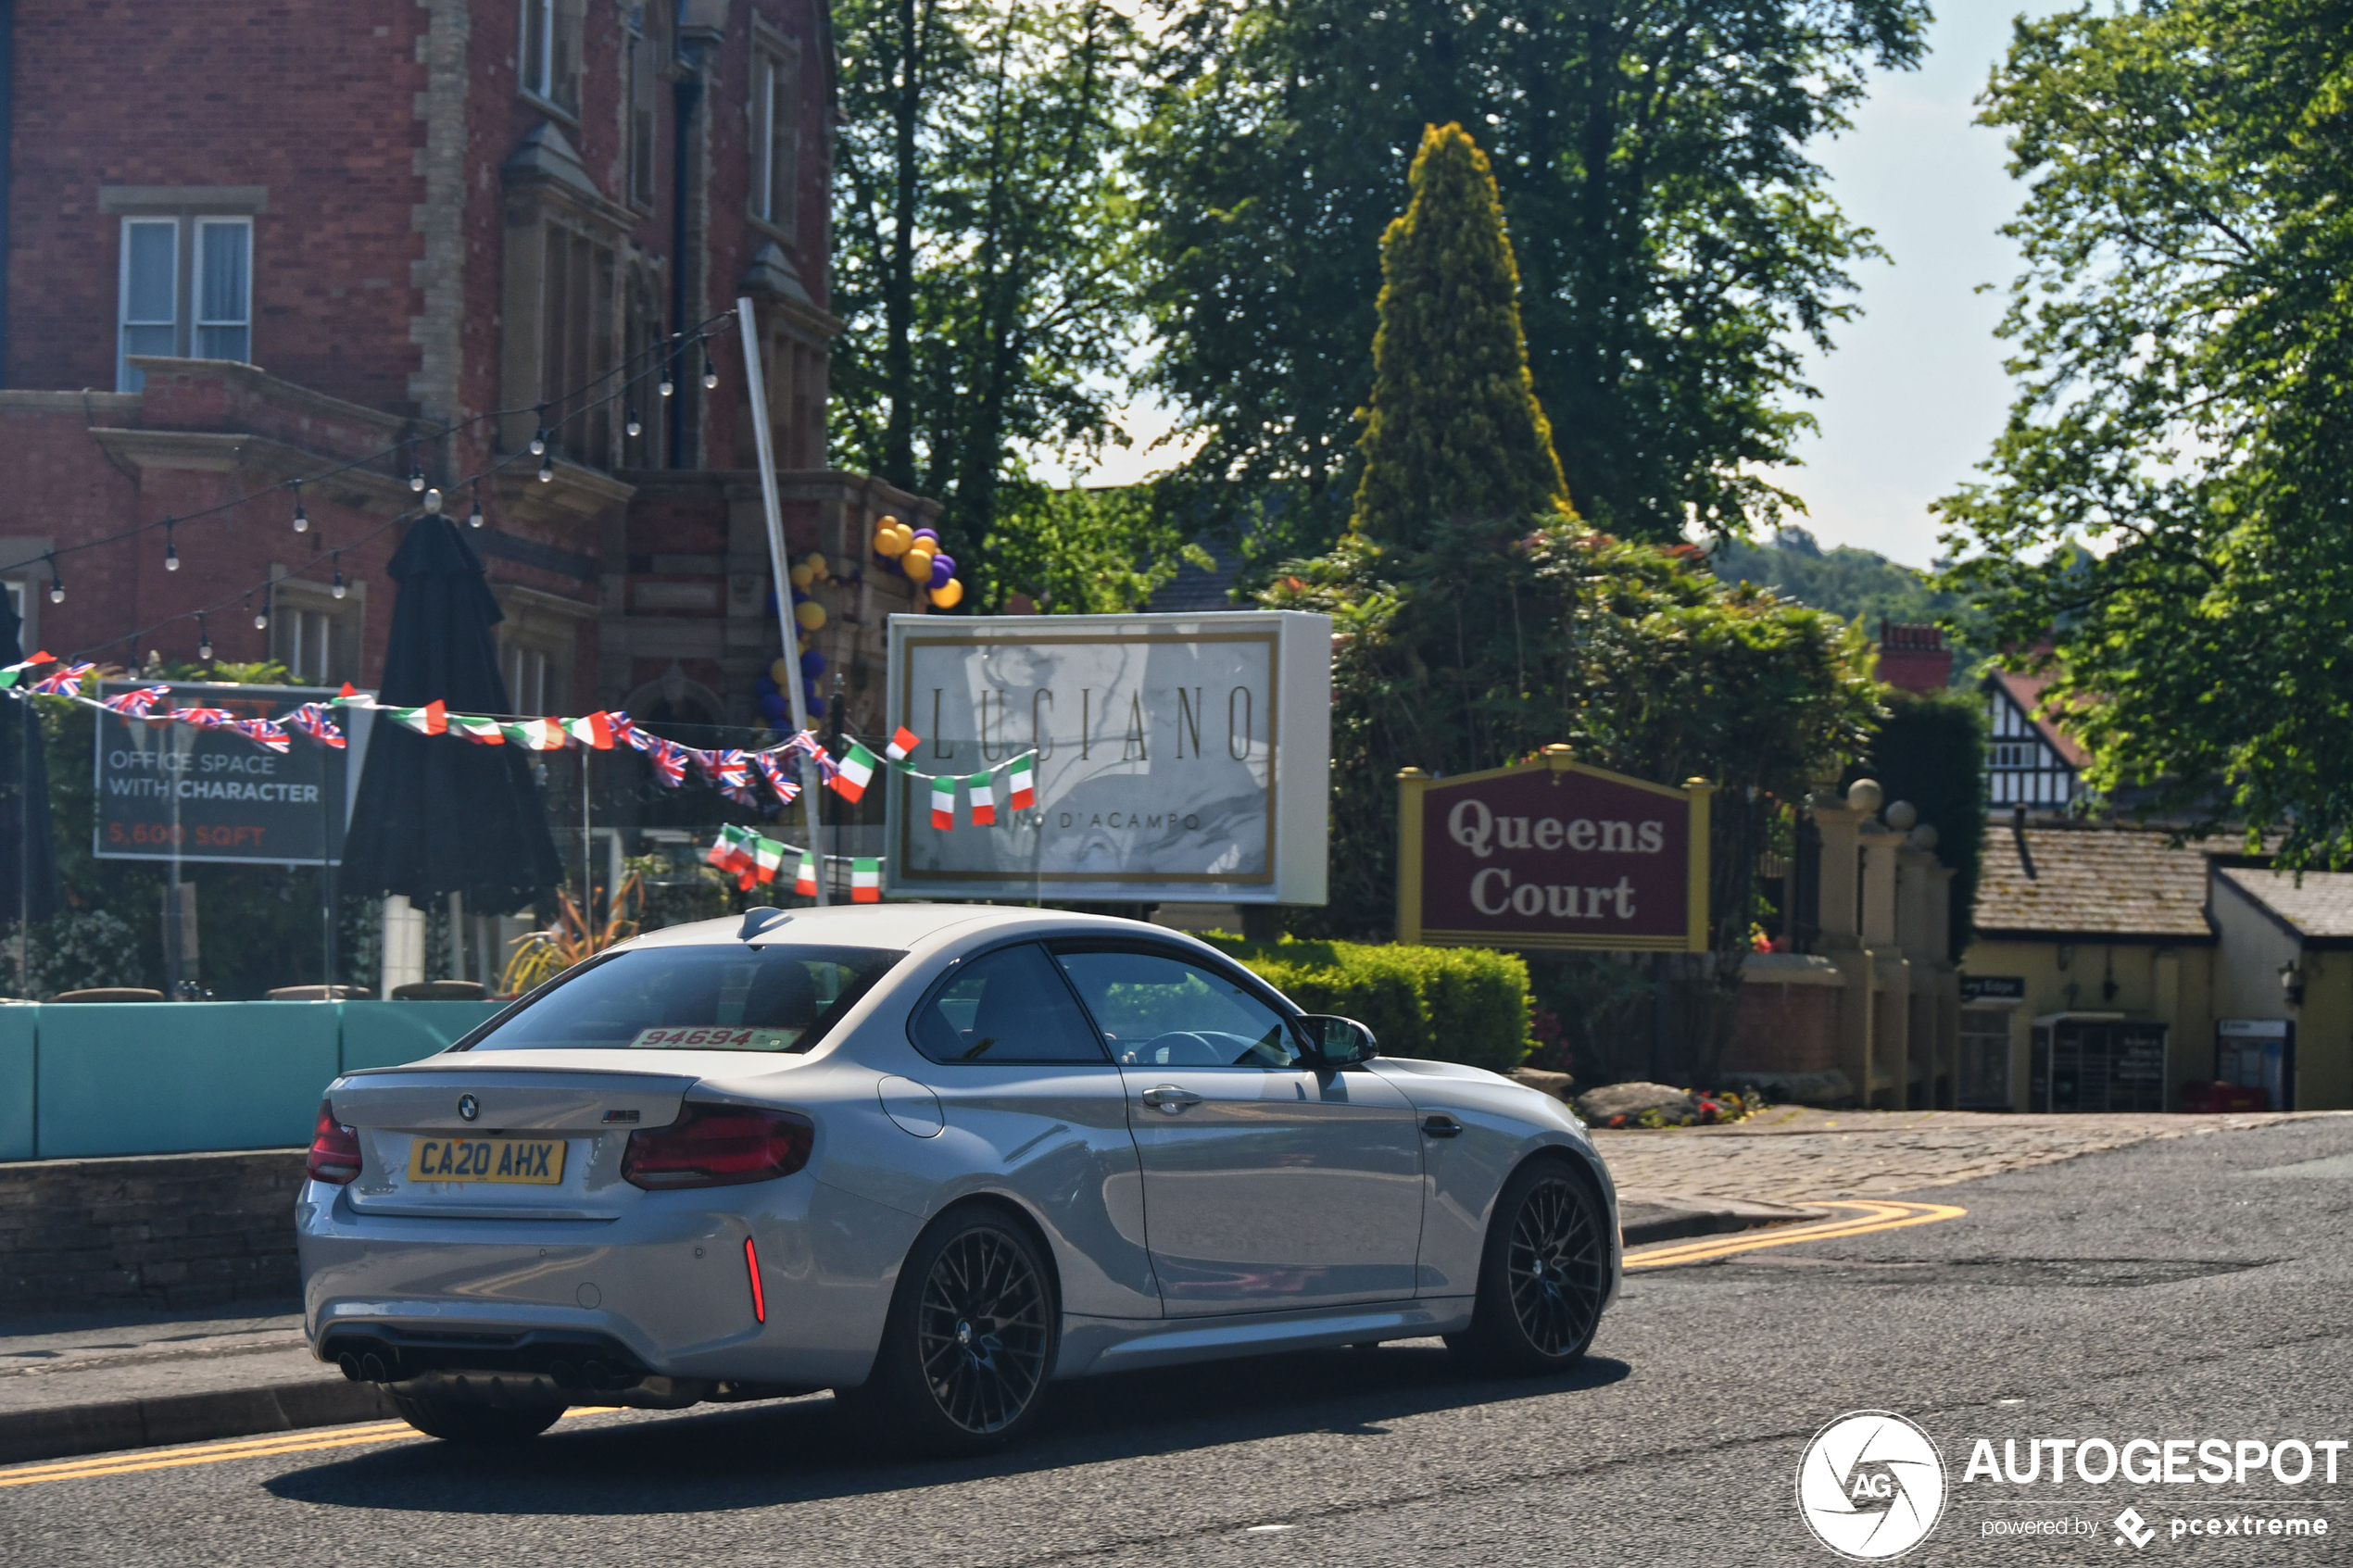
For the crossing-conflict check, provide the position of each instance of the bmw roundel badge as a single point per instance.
(467, 1107)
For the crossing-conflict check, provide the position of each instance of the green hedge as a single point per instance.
(1453, 1004)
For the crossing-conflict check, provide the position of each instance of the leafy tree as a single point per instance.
(1453, 430)
(1675, 245)
(2166, 510)
(1085, 552)
(1856, 584)
(985, 264)
(1930, 749)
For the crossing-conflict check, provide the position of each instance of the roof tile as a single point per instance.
(2092, 879)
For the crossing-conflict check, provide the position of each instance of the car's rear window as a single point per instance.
(714, 998)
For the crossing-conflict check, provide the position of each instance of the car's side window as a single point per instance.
(1157, 1010)
(1005, 1005)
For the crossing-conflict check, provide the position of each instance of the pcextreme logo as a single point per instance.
(1870, 1485)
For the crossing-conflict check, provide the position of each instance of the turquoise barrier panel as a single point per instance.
(18, 1029)
(388, 1034)
(172, 1077)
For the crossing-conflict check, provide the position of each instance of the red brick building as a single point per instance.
(246, 245)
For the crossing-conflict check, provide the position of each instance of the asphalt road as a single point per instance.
(2163, 1290)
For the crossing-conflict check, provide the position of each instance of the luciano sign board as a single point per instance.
(1552, 854)
(1180, 757)
(216, 796)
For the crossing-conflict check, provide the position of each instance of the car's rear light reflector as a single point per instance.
(759, 1296)
(335, 1150)
(716, 1146)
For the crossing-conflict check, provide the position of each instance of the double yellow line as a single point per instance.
(1861, 1219)
(209, 1454)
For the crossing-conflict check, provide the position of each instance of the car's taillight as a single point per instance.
(718, 1146)
(334, 1148)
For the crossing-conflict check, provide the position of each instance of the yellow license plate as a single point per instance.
(533, 1162)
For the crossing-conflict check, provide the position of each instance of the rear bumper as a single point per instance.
(658, 1301)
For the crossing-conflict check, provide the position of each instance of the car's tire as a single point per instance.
(973, 1327)
(1543, 1276)
(462, 1421)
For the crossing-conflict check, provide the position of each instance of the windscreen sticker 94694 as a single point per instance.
(713, 1037)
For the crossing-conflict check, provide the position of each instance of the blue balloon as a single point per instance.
(774, 706)
(816, 708)
(812, 664)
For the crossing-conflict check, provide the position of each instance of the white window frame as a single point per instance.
(774, 67)
(537, 77)
(197, 322)
(127, 379)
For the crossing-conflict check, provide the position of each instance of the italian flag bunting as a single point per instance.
(593, 732)
(903, 742)
(10, 676)
(1025, 784)
(732, 852)
(865, 882)
(433, 719)
(943, 804)
(984, 790)
(768, 857)
(484, 732)
(856, 768)
(804, 880)
(534, 734)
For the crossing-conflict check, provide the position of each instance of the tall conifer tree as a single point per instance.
(1453, 435)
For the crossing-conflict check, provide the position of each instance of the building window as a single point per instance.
(646, 59)
(548, 62)
(211, 317)
(527, 680)
(775, 136)
(577, 345)
(313, 633)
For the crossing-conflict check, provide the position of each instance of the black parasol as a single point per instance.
(27, 882)
(439, 814)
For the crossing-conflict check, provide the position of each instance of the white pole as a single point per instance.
(756, 387)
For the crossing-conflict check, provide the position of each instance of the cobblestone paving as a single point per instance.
(1790, 1154)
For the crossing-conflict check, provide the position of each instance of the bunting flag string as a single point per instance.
(737, 773)
(754, 860)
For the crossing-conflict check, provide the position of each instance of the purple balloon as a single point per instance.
(927, 533)
(943, 571)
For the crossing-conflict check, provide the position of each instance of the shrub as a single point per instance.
(1452, 1004)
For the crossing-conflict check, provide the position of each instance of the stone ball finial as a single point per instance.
(1922, 836)
(1902, 815)
(1864, 796)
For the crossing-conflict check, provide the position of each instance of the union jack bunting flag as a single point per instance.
(134, 705)
(206, 718)
(730, 770)
(773, 772)
(264, 732)
(623, 730)
(63, 682)
(667, 758)
(312, 720)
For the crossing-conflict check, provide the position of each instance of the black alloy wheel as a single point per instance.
(1544, 1275)
(969, 1343)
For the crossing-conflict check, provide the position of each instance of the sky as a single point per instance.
(1913, 394)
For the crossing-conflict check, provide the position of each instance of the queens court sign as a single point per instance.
(1552, 853)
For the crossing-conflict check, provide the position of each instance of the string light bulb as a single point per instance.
(416, 473)
(341, 587)
(204, 638)
(301, 518)
(57, 583)
(546, 469)
(473, 517)
(633, 426)
(261, 615)
(171, 548)
(539, 436)
(710, 373)
(433, 500)
(666, 386)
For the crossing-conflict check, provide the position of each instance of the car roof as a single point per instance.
(908, 925)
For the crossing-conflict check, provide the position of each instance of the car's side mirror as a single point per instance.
(1341, 1042)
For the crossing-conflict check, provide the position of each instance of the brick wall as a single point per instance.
(1784, 1029)
(173, 1230)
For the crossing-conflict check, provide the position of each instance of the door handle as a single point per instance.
(1441, 1126)
(1169, 1099)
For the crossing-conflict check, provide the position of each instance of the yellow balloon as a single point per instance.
(888, 542)
(916, 564)
(810, 613)
(801, 577)
(817, 568)
(904, 535)
(949, 596)
(780, 672)
(888, 522)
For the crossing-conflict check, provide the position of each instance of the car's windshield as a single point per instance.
(714, 998)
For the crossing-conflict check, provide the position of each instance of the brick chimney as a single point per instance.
(1914, 656)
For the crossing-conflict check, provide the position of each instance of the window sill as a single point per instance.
(773, 230)
(549, 108)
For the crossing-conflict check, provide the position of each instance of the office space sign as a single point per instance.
(1552, 854)
(1180, 757)
(215, 795)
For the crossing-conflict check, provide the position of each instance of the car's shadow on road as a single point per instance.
(758, 1456)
